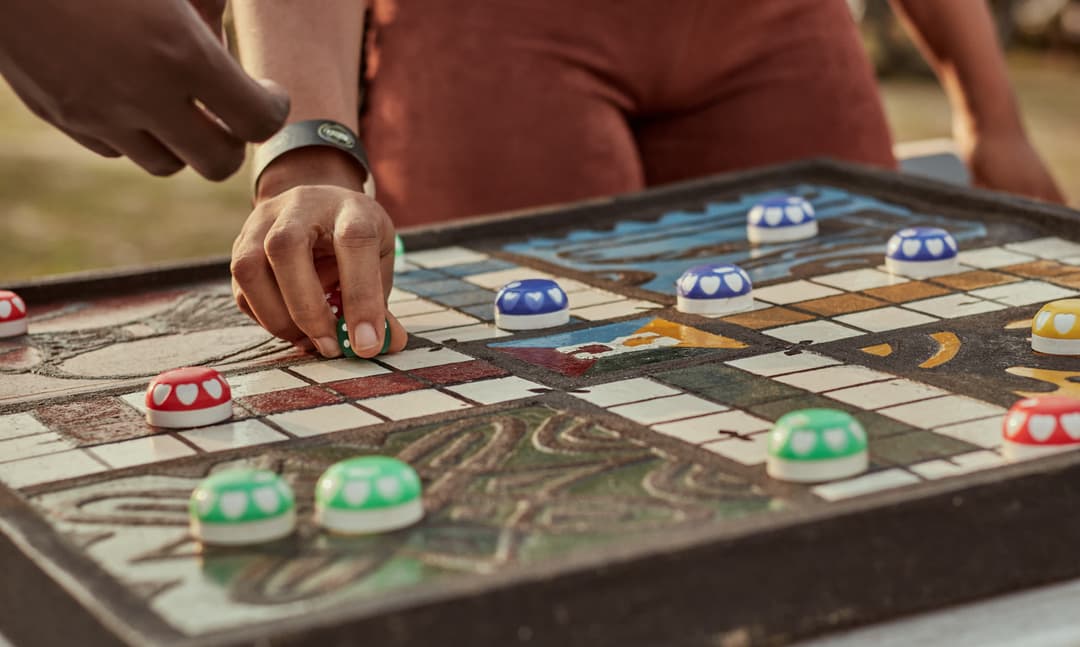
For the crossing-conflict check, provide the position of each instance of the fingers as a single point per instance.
(252, 110)
(150, 154)
(255, 285)
(91, 143)
(210, 150)
(289, 246)
(359, 247)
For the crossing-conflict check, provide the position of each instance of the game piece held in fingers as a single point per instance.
(716, 289)
(920, 252)
(781, 220)
(399, 253)
(368, 494)
(531, 304)
(814, 445)
(188, 397)
(13, 320)
(242, 506)
(346, 345)
(1035, 427)
(1055, 329)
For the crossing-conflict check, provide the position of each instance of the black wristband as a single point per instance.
(315, 132)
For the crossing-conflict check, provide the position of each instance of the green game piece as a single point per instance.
(399, 253)
(812, 445)
(368, 494)
(346, 345)
(242, 506)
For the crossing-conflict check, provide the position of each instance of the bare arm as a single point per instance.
(312, 225)
(959, 39)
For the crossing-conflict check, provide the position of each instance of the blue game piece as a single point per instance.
(920, 252)
(531, 304)
(715, 289)
(781, 220)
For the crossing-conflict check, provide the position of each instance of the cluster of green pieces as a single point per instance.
(358, 495)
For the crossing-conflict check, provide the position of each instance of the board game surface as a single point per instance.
(599, 483)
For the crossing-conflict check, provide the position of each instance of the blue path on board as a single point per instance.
(667, 246)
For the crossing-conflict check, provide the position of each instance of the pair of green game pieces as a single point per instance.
(362, 495)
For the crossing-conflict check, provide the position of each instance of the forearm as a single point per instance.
(960, 41)
(313, 50)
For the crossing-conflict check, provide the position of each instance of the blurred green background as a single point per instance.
(63, 209)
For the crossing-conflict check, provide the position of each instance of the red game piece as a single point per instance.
(188, 397)
(1039, 426)
(12, 315)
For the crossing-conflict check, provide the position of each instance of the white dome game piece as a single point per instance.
(1039, 426)
(921, 252)
(242, 506)
(1055, 330)
(531, 304)
(13, 319)
(714, 289)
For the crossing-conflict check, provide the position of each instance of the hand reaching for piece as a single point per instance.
(130, 77)
(1009, 162)
(296, 245)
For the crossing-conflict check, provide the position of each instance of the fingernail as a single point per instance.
(364, 337)
(328, 347)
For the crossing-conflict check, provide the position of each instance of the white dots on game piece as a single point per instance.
(781, 220)
(1055, 329)
(1039, 426)
(242, 506)
(814, 445)
(368, 494)
(920, 252)
(531, 304)
(714, 289)
(188, 397)
(13, 320)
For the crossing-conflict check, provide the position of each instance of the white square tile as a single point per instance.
(1050, 247)
(50, 442)
(882, 319)
(710, 428)
(939, 412)
(262, 382)
(623, 392)
(832, 377)
(815, 332)
(48, 468)
(793, 291)
(243, 433)
(984, 433)
(612, 310)
(136, 400)
(465, 333)
(397, 295)
(497, 279)
(953, 306)
(142, 451)
(782, 363)
(445, 257)
(409, 360)
(752, 451)
(886, 394)
(415, 307)
(1070, 260)
(436, 321)
(334, 370)
(959, 464)
(858, 280)
(323, 420)
(866, 484)
(413, 404)
(592, 297)
(991, 257)
(20, 424)
(669, 408)
(500, 389)
(1023, 293)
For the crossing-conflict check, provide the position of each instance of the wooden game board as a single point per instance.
(600, 483)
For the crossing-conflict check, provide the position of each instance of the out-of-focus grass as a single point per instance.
(64, 209)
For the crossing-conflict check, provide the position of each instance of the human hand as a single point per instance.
(298, 243)
(148, 80)
(1008, 162)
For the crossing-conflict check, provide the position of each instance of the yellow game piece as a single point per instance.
(1056, 329)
